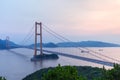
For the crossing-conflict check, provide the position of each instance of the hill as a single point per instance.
(87, 71)
(76, 73)
(87, 44)
(11, 44)
(51, 45)
(78, 44)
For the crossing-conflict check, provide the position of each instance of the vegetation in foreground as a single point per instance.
(76, 73)
(2, 78)
(62, 73)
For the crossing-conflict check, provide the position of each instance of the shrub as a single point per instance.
(62, 73)
(2, 78)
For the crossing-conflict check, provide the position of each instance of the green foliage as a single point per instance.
(76, 73)
(2, 78)
(37, 75)
(83, 72)
(112, 74)
(62, 73)
(89, 72)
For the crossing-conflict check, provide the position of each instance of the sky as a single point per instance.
(77, 20)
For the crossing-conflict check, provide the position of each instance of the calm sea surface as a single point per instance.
(15, 64)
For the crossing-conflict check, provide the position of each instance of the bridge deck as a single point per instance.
(82, 58)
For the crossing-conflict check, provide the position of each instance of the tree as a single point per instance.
(2, 78)
(63, 73)
(112, 74)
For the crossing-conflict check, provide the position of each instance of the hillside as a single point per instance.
(86, 71)
(78, 44)
(51, 45)
(76, 73)
(11, 44)
(87, 44)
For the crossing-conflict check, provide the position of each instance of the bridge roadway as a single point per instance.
(107, 63)
(82, 58)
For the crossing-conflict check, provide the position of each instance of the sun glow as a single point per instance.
(118, 1)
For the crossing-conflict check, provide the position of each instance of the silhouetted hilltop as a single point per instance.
(51, 45)
(79, 44)
(11, 44)
(87, 44)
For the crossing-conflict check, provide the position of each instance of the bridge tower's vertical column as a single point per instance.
(38, 32)
(7, 42)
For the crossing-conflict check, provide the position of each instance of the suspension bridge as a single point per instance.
(36, 33)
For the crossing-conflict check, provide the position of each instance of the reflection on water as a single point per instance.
(15, 64)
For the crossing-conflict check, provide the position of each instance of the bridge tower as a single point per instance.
(7, 42)
(38, 33)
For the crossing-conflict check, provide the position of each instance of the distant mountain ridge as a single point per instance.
(79, 44)
(62, 44)
(52, 45)
(87, 44)
(11, 44)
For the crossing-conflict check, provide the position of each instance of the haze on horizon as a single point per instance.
(77, 20)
